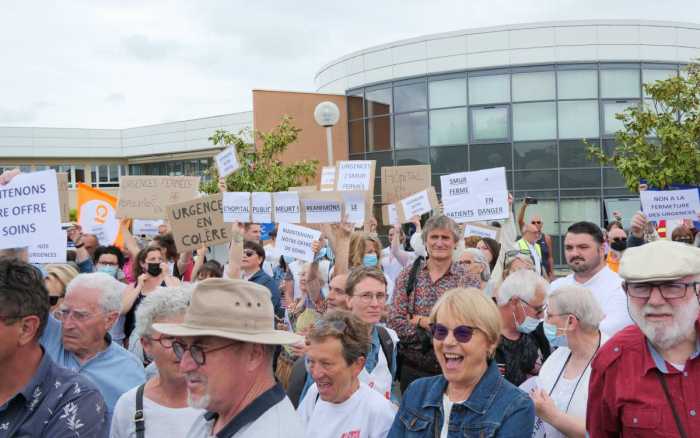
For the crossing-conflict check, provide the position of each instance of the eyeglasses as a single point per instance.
(249, 253)
(620, 239)
(367, 298)
(77, 315)
(164, 341)
(536, 222)
(462, 333)
(669, 291)
(539, 309)
(198, 353)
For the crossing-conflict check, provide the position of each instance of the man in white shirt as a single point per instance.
(585, 255)
(337, 404)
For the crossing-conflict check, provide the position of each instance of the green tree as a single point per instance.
(659, 142)
(261, 170)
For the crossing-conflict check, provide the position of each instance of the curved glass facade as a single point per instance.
(531, 120)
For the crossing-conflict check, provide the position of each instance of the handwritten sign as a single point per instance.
(475, 196)
(390, 215)
(145, 197)
(356, 175)
(198, 222)
(227, 161)
(399, 182)
(295, 241)
(146, 227)
(63, 199)
(417, 204)
(53, 250)
(261, 205)
(670, 204)
(454, 184)
(321, 207)
(356, 206)
(236, 207)
(327, 178)
(287, 207)
(481, 231)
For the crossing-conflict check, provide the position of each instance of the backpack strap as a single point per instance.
(412, 280)
(139, 422)
(387, 345)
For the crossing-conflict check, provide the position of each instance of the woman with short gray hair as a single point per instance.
(475, 262)
(560, 392)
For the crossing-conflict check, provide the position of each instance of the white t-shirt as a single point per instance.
(447, 408)
(366, 414)
(159, 420)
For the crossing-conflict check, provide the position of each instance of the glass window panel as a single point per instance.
(25, 168)
(610, 123)
(93, 174)
(534, 121)
(489, 89)
(578, 119)
(410, 97)
(448, 93)
(487, 156)
(103, 173)
(378, 102)
(627, 207)
(382, 158)
(577, 178)
(38, 167)
(535, 180)
(546, 209)
(535, 155)
(411, 130)
(355, 106)
(449, 159)
(572, 153)
(357, 136)
(652, 75)
(80, 174)
(533, 86)
(619, 83)
(448, 126)
(490, 123)
(612, 178)
(577, 84)
(114, 172)
(412, 156)
(379, 134)
(575, 210)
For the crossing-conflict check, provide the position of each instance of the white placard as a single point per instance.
(323, 212)
(476, 230)
(355, 203)
(236, 207)
(146, 227)
(472, 183)
(53, 250)
(29, 210)
(355, 175)
(295, 241)
(670, 204)
(261, 204)
(476, 207)
(287, 208)
(454, 184)
(393, 214)
(327, 178)
(416, 204)
(227, 161)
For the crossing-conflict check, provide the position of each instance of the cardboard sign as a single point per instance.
(198, 222)
(356, 175)
(390, 215)
(287, 207)
(670, 204)
(321, 207)
(29, 210)
(295, 241)
(302, 189)
(97, 215)
(261, 207)
(399, 182)
(146, 227)
(481, 231)
(475, 196)
(63, 198)
(236, 207)
(417, 204)
(227, 161)
(145, 197)
(327, 179)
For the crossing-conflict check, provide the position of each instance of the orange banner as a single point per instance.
(97, 215)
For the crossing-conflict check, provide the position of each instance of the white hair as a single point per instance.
(110, 289)
(480, 258)
(521, 284)
(578, 301)
(164, 302)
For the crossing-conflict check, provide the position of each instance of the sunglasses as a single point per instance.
(462, 333)
(536, 222)
(249, 253)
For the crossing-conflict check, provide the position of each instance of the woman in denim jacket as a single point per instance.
(470, 398)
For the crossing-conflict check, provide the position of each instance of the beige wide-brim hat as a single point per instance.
(231, 309)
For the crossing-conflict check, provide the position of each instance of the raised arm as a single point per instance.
(235, 251)
(403, 257)
(521, 215)
(129, 240)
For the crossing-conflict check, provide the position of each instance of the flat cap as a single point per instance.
(661, 260)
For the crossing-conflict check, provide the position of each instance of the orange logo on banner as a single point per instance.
(97, 215)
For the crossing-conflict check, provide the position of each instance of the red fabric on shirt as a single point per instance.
(626, 399)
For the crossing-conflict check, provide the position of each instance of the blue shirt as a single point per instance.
(55, 403)
(263, 279)
(113, 370)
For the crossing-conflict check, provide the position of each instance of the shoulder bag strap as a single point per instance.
(679, 425)
(139, 422)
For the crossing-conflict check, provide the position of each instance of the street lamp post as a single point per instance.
(327, 115)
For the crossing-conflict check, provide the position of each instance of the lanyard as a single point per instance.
(579, 377)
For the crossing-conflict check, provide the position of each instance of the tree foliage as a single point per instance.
(261, 169)
(660, 141)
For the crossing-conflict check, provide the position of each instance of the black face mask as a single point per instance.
(619, 244)
(153, 269)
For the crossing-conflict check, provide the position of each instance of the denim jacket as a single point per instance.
(495, 408)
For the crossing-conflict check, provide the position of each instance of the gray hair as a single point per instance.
(110, 289)
(440, 222)
(162, 303)
(480, 258)
(578, 301)
(521, 284)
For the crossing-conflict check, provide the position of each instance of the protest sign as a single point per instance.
(261, 206)
(356, 175)
(199, 222)
(29, 210)
(481, 231)
(145, 197)
(146, 227)
(236, 206)
(470, 183)
(670, 204)
(295, 241)
(475, 196)
(390, 215)
(417, 204)
(327, 179)
(454, 184)
(287, 208)
(227, 162)
(52, 250)
(302, 189)
(97, 215)
(63, 199)
(356, 206)
(399, 182)
(321, 207)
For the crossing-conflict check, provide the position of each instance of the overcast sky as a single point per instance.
(118, 64)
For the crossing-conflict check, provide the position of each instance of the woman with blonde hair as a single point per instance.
(57, 278)
(366, 250)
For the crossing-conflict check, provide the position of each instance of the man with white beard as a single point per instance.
(646, 379)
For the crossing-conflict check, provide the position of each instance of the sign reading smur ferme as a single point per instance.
(199, 222)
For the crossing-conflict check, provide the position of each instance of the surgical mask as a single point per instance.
(154, 269)
(370, 260)
(550, 331)
(528, 325)
(288, 259)
(107, 269)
